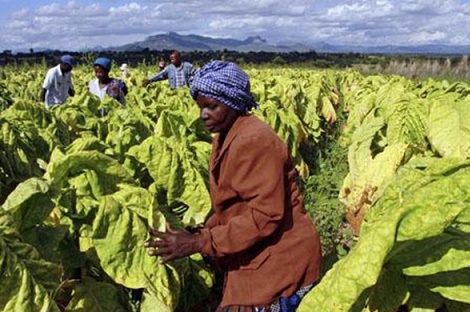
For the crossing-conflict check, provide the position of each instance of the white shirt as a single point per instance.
(94, 87)
(57, 85)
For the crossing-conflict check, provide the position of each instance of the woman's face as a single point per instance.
(217, 117)
(101, 73)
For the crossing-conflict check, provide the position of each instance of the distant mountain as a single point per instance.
(175, 41)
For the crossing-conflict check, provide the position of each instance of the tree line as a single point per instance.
(150, 57)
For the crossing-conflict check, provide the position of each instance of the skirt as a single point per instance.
(282, 304)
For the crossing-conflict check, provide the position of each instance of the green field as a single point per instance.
(384, 167)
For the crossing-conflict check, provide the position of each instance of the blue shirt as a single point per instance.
(170, 72)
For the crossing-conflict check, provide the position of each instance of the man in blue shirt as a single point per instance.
(178, 72)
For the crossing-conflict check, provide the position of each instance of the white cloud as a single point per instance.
(21, 14)
(79, 24)
(361, 10)
(128, 9)
(424, 37)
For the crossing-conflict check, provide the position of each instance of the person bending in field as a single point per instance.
(259, 234)
(178, 73)
(104, 85)
(57, 85)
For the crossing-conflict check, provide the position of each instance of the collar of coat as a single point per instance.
(232, 133)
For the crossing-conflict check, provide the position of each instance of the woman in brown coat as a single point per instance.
(259, 232)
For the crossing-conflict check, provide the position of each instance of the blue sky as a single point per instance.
(76, 25)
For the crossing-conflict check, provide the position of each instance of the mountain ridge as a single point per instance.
(192, 42)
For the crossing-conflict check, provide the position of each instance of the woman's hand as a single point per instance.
(173, 244)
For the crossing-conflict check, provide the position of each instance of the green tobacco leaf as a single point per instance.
(424, 300)
(196, 281)
(30, 203)
(462, 223)
(86, 143)
(119, 233)
(436, 205)
(175, 167)
(449, 129)
(328, 110)
(286, 124)
(26, 280)
(365, 182)
(389, 293)
(172, 124)
(341, 287)
(108, 170)
(454, 285)
(46, 239)
(92, 296)
(126, 128)
(406, 120)
(445, 252)
(438, 188)
(154, 299)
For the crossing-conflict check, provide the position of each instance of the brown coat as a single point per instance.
(259, 229)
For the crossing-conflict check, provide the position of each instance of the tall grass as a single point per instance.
(438, 68)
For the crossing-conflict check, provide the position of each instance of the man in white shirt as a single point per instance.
(57, 86)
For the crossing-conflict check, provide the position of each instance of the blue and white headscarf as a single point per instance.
(225, 82)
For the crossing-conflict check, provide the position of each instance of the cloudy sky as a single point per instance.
(79, 24)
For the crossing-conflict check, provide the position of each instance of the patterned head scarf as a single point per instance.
(225, 82)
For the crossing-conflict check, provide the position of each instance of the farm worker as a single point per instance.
(124, 71)
(178, 73)
(57, 85)
(259, 233)
(104, 85)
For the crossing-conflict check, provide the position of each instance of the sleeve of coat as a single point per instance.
(258, 178)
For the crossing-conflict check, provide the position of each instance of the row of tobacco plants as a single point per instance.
(78, 192)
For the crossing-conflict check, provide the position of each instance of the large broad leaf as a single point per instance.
(26, 280)
(445, 252)
(307, 110)
(172, 124)
(454, 285)
(86, 143)
(47, 240)
(449, 127)
(126, 128)
(154, 299)
(177, 167)
(420, 203)
(368, 173)
(92, 296)
(328, 110)
(119, 233)
(391, 295)
(30, 202)
(343, 285)
(195, 279)
(109, 172)
(406, 120)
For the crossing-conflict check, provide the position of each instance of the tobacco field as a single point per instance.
(78, 192)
